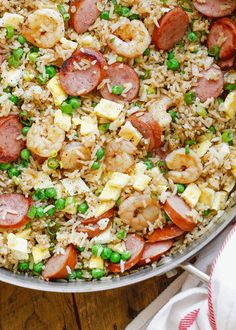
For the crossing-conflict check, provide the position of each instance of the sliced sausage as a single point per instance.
(10, 145)
(164, 234)
(57, 266)
(154, 251)
(124, 75)
(179, 212)
(135, 244)
(93, 230)
(223, 34)
(148, 127)
(215, 8)
(13, 210)
(227, 64)
(172, 28)
(82, 72)
(210, 84)
(83, 14)
(109, 214)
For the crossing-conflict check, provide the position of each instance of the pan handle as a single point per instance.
(194, 271)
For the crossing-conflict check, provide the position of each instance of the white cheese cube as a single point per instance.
(119, 247)
(42, 181)
(109, 193)
(24, 234)
(96, 262)
(104, 238)
(73, 186)
(220, 200)
(12, 77)
(14, 20)
(20, 255)
(39, 253)
(207, 197)
(108, 109)
(17, 243)
(88, 125)
(202, 148)
(229, 105)
(130, 133)
(59, 95)
(141, 181)
(103, 207)
(119, 180)
(62, 120)
(191, 194)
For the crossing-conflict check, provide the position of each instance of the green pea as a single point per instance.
(180, 188)
(18, 53)
(105, 15)
(33, 57)
(13, 171)
(32, 212)
(117, 89)
(21, 40)
(212, 129)
(149, 164)
(125, 11)
(40, 194)
(51, 211)
(66, 108)
(104, 127)
(42, 79)
(100, 154)
(25, 130)
(50, 71)
(97, 249)
(121, 234)
(25, 154)
(75, 102)
(52, 163)
(14, 99)
(173, 64)
(173, 115)
(206, 213)
(83, 208)
(97, 273)
(171, 55)
(79, 274)
(9, 32)
(126, 255)
(162, 166)
(115, 257)
(95, 166)
(5, 166)
(60, 204)
(227, 137)
(189, 98)
(214, 51)
(37, 268)
(13, 62)
(147, 52)
(192, 37)
(50, 193)
(39, 212)
(134, 16)
(106, 253)
(80, 249)
(23, 266)
(71, 276)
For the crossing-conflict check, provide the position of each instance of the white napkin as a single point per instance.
(198, 306)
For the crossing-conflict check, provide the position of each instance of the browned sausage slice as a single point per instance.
(93, 230)
(57, 266)
(148, 127)
(172, 28)
(223, 34)
(179, 212)
(164, 234)
(83, 14)
(109, 214)
(82, 72)
(13, 210)
(227, 64)
(154, 251)
(215, 8)
(10, 145)
(135, 244)
(124, 75)
(210, 84)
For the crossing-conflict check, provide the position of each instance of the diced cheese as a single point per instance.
(119, 247)
(12, 77)
(109, 193)
(59, 95)
(229, 105)
(103, 207)
(207, 197)
(24, 234)
(130, 133)
(141, 181)
(96, 262)
(20, 255)
(104, 238)
(39, 253)
(17, 243)
(73, 186)
(62, 120)
(14, 20)
(191, 194)
(42, 181)
(88, 125)
(108, 109)
(202, 148)
(119, 180)
(220, 200)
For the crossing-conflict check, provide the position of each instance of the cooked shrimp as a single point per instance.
(44, 28)
(45, 141)
(158, 110)
(187, 167)
(139, 211)
(72, 154)
(119, 155)
(130, 39)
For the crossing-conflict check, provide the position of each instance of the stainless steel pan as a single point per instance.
(178, 260)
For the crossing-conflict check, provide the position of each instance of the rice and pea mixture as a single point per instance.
(85, 155)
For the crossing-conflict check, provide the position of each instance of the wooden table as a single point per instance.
(22, 309)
